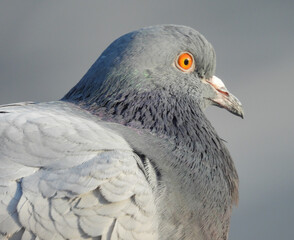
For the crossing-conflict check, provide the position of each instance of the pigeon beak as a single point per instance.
(224, 98)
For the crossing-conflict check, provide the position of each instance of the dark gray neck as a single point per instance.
(174, 133)
(179, 120)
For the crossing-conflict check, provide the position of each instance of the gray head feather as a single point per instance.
(143, 61)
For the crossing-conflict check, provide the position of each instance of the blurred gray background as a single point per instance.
(47, 46)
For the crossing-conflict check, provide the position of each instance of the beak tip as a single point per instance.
(224, 98)
(240, 113)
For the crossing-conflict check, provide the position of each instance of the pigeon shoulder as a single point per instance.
(64, 176)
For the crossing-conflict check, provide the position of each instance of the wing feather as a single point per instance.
(64, 176)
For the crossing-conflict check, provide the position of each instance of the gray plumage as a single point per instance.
(127, 153)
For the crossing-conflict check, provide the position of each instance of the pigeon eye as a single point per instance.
(185, 62)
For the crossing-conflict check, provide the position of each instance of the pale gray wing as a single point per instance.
(63, 176)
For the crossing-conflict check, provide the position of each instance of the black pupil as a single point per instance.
(186, 62)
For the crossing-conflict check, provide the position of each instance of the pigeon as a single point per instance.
(128, 152)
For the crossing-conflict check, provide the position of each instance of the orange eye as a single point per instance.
(185, 62)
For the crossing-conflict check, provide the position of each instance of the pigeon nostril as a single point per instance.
(223, 92)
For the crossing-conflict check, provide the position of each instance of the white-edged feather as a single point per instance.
(64, 176)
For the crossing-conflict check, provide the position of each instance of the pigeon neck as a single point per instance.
(154, 111)
(183, 144)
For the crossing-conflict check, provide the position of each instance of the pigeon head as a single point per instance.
(169, 61)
